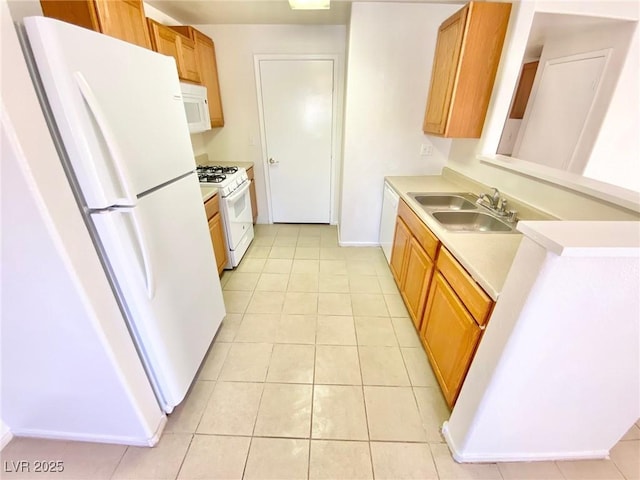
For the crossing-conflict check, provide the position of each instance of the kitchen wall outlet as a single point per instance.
(426, 150)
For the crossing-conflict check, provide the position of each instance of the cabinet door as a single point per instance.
(254, 201)
(443, 75)
(165, 41)
(206, 53)
(219, 243)
(188, 60)
(124, 20)
(399, 250)
(524, 90)
(450, 337)
(415, 284)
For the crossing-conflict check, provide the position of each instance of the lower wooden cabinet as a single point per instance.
(216, 230)
(252, 194)
(417, 276)
(450, 336)
(401, 239)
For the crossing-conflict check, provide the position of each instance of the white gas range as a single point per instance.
(235, 205)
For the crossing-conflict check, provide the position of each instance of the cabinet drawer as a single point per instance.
(474, 298)
(212, 206)
(425, 238)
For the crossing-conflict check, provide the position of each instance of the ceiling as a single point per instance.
(199, 12)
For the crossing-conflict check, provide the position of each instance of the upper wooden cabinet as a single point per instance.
(168, 41)
(525, 84)
(466, 60)
(123, 19)
(206, 54)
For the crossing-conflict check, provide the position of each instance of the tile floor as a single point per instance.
(317, 372)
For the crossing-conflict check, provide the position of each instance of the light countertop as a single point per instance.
(208, 192)
(486, 256)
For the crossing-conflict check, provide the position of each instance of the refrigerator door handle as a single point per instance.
(103, 125)
(143, 245)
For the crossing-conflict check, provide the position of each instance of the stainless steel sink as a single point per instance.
(476, 222)
(445, 201)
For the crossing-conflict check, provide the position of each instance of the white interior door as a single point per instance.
(551, 130)
(297, 103)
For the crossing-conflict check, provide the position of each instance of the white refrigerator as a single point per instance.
(116, 113)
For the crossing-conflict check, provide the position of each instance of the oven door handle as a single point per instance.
(238, 193)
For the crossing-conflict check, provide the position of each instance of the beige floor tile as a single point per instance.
(530, 471)
(277, 265)
(186, 416)
(364, 253)
(382, 268)
(225, 277)
(256, 251)
(282, 252)
(272, 282)
(333, 284)
(305, 241)
(266, 302)
(288, 230)
(336, 330)
(337, 365)
(315, 230)
(406, 333)
(285, 411)
(236, 301)
(375, 331)
(277, 459)
(382, 366)
(296, 329)
(364, 284)
(367, 304)
(303, 282)
(417, 363)
(334, 304)
(395, 305)
(258, 328)
(448, 469)
(307, 253)
(632, 434)
(331, 253)
(263, 240)
(286, 241)
(160, 462)
(229, 327)
(80, 460)
(305, 266)
(215, 457)
(232, 409)
(392, 414)
(247, 362)
(402, 461)
(242, 281)
(266, 229)
(251, 265)
(589, 470)
(214, 361)
(360, 267)
(388, 285)
(300, 303)
(333, 267)
(338, 413)
(626, 456)
(433, 411)
(292, 364)
(331, 460)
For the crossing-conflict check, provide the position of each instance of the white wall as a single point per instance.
(391, 48)
(558, 201)
(236, 45)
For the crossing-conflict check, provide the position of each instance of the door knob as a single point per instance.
(272, 161)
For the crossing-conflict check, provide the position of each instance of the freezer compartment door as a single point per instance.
(118, 109)
(161, 259)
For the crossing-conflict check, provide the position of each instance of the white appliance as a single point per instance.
(117, 117)
(388, 219)
(235, 205)
(196, 107)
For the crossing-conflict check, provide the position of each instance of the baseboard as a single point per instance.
(517, 456)
(359, 244)
(90, 437)
(6, 438)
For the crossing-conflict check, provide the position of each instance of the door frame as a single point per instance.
(336, 125)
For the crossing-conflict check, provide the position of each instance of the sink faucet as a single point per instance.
(498, 205)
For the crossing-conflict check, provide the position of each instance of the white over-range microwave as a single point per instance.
(196, 107)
